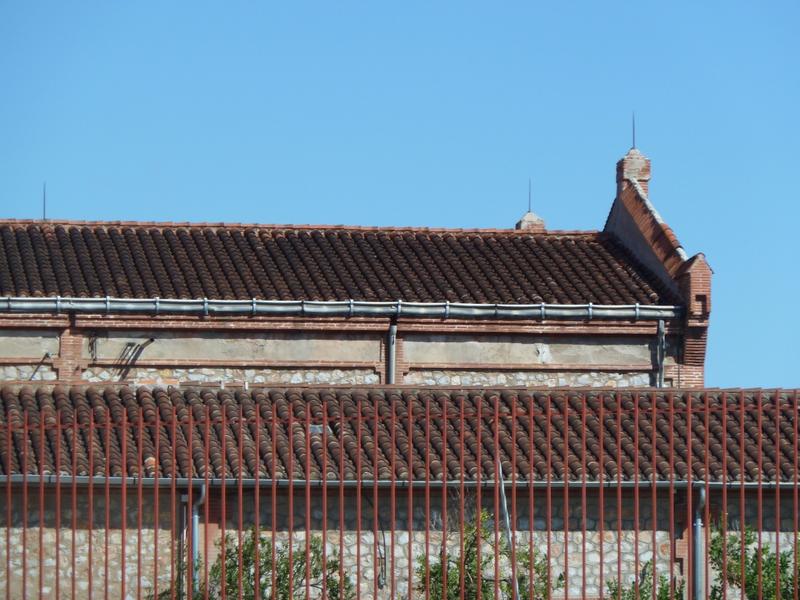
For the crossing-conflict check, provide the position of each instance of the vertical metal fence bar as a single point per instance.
(240, 498)
(107, 500)
(257, 509)
(498, 479)
(724, 520)
(340, 484)
(139, 498)
(584, 527)
(25, 438)
(778, 450)
(479, 502)
(174, 578)
(41, 461)
(307, 431)
(531, 486)
(291, 466)
(514, 402)
(156, 427)
(636, 523)
(223, 518)
(410, 493)
(9, 469)
(691, 562)
(565, 492)
(653, 488)
(74, 507)
(207, 467)
(123, 433)
(90, 507)
(58, 508)
(444, 427)
(189, 511)
(427, 427)
(760, 517)
(462, 494)
(9, 515)
(707, 505)
(618, 410)
(796, 493)
(393, 495)
(274, 493)
(600, 490)
(357, 422)
(189, 521)
(375, 474)
(325, 443)
(742, 467)
(549, 492)
(671, 502)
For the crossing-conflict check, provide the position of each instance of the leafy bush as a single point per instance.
(755, 558)
(463, 569)
(336, 588)
(645, 588)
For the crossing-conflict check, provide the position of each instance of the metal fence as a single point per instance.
(399, 494)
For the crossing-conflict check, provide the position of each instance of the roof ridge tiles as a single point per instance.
(297, 226)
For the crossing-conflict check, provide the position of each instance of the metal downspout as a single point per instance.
(196, 538)
(391, 357)
(184, 500)
(697, 573)
(661, 351)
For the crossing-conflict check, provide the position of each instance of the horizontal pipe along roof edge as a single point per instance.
(341, 308)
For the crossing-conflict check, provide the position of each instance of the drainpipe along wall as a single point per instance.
(391, 354)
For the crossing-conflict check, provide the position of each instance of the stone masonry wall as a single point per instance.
(283, 376)
(529, 378)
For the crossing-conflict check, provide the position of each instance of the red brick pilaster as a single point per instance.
(70, 364)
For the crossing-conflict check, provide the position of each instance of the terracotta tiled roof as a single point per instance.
(218, 261)
(595, 440)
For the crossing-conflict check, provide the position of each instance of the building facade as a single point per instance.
(167, 303)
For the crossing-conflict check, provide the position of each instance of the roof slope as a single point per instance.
(452, 434)
(141, 260)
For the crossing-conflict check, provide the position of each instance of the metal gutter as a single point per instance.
(338, 308)
(198, 482)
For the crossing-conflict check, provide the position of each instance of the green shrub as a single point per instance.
(765, 559)
(644, 591)
(336, 588)
(463, 569)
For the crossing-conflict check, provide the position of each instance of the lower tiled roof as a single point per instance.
(401, 434)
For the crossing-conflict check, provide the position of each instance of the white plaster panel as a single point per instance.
(225, 345)
(27, 342)
(519, 349)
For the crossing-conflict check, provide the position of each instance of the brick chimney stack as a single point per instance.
(634, 166)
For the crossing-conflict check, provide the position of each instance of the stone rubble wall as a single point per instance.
(234, 376)
(529, 378)
(27, 373)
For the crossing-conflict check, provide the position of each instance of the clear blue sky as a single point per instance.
(430, 114)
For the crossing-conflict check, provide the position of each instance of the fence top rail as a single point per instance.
(52, 480)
